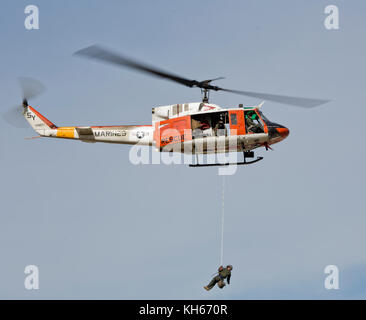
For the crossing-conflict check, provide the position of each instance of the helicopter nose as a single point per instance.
(283, 131)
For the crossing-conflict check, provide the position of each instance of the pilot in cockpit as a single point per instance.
(252, 122)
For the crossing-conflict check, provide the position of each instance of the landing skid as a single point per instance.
(245, 162)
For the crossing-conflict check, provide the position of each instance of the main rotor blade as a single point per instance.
(215, 79)
(99, 53)
(295, 101)
(105, 55)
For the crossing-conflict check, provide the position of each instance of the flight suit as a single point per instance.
(225, 273)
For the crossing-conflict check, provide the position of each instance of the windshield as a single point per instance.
(253, 123)
(265, 119)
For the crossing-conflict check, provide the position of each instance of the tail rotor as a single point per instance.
(30, 88)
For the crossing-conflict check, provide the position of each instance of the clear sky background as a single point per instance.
(99, 227)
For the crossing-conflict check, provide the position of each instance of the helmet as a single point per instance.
(221, 268)
(229, 266)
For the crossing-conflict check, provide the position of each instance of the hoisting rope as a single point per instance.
(222, 220)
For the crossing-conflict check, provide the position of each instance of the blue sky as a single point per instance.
(99, 227)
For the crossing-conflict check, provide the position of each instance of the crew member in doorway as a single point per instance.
(206, 128)
(223, 273)
(220, 127)
(204, 125)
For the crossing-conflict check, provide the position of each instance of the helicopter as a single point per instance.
(192, 128)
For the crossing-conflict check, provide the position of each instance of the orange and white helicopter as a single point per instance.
(194, 128)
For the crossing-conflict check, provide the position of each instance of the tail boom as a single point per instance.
(109, 134)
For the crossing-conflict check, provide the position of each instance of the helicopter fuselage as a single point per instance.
(188, 128)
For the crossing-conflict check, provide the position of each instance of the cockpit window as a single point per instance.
(253, 123)
(265, 119)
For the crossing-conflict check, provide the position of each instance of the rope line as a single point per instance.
(222, 220)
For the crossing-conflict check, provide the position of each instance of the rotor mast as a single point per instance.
(206, 86)
(205, 95)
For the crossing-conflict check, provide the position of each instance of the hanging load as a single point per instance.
(223, 273)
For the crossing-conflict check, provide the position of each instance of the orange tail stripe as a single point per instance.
(66, 132)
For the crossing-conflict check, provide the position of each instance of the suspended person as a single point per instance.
(223, 273)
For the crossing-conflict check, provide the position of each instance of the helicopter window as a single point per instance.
(233, 119)
(265, 119)
(253, 123)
